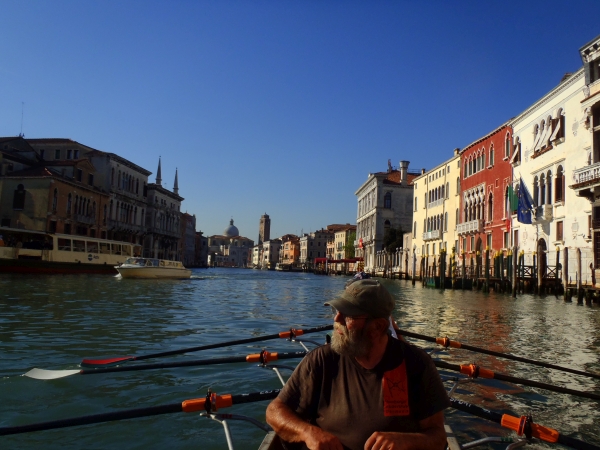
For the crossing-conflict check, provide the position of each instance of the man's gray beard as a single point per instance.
(351, 343)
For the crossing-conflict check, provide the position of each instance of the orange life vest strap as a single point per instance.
(395, 392)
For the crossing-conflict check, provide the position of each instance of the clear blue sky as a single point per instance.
(281, 107)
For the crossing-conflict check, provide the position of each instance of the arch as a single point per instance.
(559, 185)
(549, 187)
(542, 257)
(490, 208)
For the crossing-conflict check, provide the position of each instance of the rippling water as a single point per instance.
(53, 322)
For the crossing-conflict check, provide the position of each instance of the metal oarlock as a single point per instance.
(222, 419)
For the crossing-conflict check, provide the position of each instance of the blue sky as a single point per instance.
(281, 107)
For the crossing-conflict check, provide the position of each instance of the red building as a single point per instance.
(486, 174)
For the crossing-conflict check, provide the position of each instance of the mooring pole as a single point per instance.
(486, 286)
(515, 281)
(566, 273)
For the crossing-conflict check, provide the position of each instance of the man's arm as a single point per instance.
(292, 428)
(431, 436)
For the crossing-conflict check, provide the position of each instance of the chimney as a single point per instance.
(423, 171)
(456, 151)
(404, 172)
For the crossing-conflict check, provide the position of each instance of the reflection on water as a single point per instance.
(53, 322)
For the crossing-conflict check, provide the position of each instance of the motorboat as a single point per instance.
(153, 268)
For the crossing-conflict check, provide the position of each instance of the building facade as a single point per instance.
(385, 201)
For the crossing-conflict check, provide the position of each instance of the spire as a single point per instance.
(158, 175)
(176, 184)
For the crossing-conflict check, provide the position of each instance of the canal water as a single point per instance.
(52, 322)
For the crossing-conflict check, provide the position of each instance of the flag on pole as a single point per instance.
(525, 205)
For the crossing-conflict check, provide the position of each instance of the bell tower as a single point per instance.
(264, 229)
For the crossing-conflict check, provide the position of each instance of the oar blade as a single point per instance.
(105, 361)
(43, 374)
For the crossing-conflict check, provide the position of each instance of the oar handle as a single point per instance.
(198, 405)
(514, 423)
(446, 342)
(201, 362)
(475, 371)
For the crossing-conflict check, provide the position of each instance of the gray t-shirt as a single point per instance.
(340, 396)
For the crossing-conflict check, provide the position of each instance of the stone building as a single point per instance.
(264, 229)
(385, 201)
(187, 247)
(290, 249)
(436, 203)
(230, 249)
(163, 220)
(201, 250)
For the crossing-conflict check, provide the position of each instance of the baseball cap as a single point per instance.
(364, 297)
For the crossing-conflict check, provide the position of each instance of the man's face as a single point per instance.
(350, 335)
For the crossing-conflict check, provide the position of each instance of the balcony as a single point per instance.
(474, 226)
(83, 219)
(542, 213)
(438, 202)
(430, 235)
(586, 179)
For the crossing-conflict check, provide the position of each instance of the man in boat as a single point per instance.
(366, 390)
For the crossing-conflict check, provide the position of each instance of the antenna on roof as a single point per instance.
(22, 108)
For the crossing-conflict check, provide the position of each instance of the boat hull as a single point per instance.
(33, 266)
(154, 272)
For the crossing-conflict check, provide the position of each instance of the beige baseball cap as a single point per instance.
(364, 297)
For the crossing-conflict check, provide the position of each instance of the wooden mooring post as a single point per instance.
(464, 271)
(565, 269)
(486, 284)
(515, 279)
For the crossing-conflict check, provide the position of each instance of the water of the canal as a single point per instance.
(52, 322)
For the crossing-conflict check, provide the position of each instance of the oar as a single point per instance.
(114, 360)
(522, 426)
(263, 357)
(455, 344)
(475, 371)
(193, 405)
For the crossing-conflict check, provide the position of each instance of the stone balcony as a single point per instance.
(435, 203)
(586, 179)
(430, 235)
(473, 226)
(81, 218)
(542, 213)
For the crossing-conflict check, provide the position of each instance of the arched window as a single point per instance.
(490, 212)
(448, 189)
(94, 210)
(119, 180)
(492, 155)
(506, 212)
(483, 161)
(542, 189)
(457, 185)
(446, 222)
(559, 185)
(456, 218)
(55, 200)
(507, 146)
(386, 225)
(536, 192)
(69, 202)
(415, 229)
(387, 200)
(549, 187)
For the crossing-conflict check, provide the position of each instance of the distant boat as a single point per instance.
(153, 268)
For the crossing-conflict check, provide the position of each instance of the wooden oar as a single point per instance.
(475, 371)
(263, 357)
(455, 344)
(114, 360)
(193, 405)
(523, 426)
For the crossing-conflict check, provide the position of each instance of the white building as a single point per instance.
(551, 143)
(385, 201)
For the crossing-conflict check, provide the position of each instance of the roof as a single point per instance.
(39, 171)
(481, 139)
(395, 177)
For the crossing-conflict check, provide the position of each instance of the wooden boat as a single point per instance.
(25, 251)
(153, 268)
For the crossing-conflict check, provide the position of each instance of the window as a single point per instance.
(91, 179)
(448, 190)
(492, 156)
(490, 213)
(414, 229)
(67, 230)
(52, 226)
(559, 230)
(19, 197)
(507, 146)
(54, 200)
(56, 154)
(42, 152)
(446, 222)
(69, 203)
(69, 154)
(559, 185)
(78, 174)
(415, 203)
(387, 200)
(506, 239)
(489, 241)
(76, 154)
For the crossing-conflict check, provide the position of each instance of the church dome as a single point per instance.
(231, 230)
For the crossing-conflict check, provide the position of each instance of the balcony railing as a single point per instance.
(474, 226)
(429, 235)
(438, 202)
(587, 174)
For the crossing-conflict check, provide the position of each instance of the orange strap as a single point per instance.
(262, 357)
(518, 424)
(475, 371)
(197, 404)
(395, 392)
(290, 334)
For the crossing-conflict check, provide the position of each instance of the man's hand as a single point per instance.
(385, 440)
(317, 439)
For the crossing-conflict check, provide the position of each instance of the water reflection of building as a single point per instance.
(229, 249)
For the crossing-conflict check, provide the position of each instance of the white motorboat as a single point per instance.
(152, 268)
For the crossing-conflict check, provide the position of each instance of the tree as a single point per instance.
(393, 238)
(349, 247)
